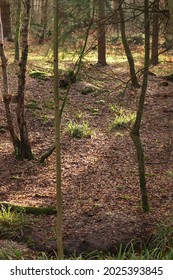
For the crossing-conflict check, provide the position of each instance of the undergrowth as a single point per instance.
(11, 223)
(159, 247)
(78, 130)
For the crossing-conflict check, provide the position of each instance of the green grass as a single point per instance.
(11, 223)
(10, 254)
(122, 121)
(78, 130)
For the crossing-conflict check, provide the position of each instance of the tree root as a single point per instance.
(49, 210)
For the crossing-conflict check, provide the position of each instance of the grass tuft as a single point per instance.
(11, 223)
(78, 130)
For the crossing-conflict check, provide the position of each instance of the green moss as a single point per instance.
(40, 75)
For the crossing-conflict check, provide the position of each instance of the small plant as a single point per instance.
(11, 223)
(79, 130)
(33, 105)
(10, 254)
(122, 121)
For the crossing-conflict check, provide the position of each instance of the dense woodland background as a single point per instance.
(86, 151)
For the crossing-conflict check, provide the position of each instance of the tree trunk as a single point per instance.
(6, 95)
(170, 5)
(135, 132)
(43, 20)
(101, 34)
(25, 144)
(60, 252)
(155, 34)
(18, 25)
(116, 17)
(127, 48)
(6, 18)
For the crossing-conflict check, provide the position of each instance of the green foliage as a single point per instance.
(122, 121)
(11, 223)
(78, 130)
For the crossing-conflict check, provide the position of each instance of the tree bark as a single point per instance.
(101, 34)
(18, 26)
(170, 6)
(127, 48)
(6, 95)
(60, 252)
(155, 34)
(43, 20)
(135, 132)
(6, 19)
(25, 151)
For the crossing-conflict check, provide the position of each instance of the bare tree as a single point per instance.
(60, 252)
(127, 48)
(21, 144)
(135, 132)
(25, 151)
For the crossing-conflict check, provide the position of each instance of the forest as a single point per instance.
(86, 129)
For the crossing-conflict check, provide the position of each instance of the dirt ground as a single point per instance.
(100, 185)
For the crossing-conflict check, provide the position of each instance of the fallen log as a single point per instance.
(48, 210)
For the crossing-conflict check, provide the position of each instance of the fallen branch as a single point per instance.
(47, 154)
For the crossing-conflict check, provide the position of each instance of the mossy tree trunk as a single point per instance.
(25, 150)
(60, 252)
(127, 48)
(135, 132)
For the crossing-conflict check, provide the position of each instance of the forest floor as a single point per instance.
(100, 184)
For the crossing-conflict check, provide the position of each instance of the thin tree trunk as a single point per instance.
(18, 25)
(43, 20)
(135, 132)
(6, 19)
(6, 95)
(101, 34)
(155, 34)
(127, 48)
(25, 144)
(170, 6)
(60, 252)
